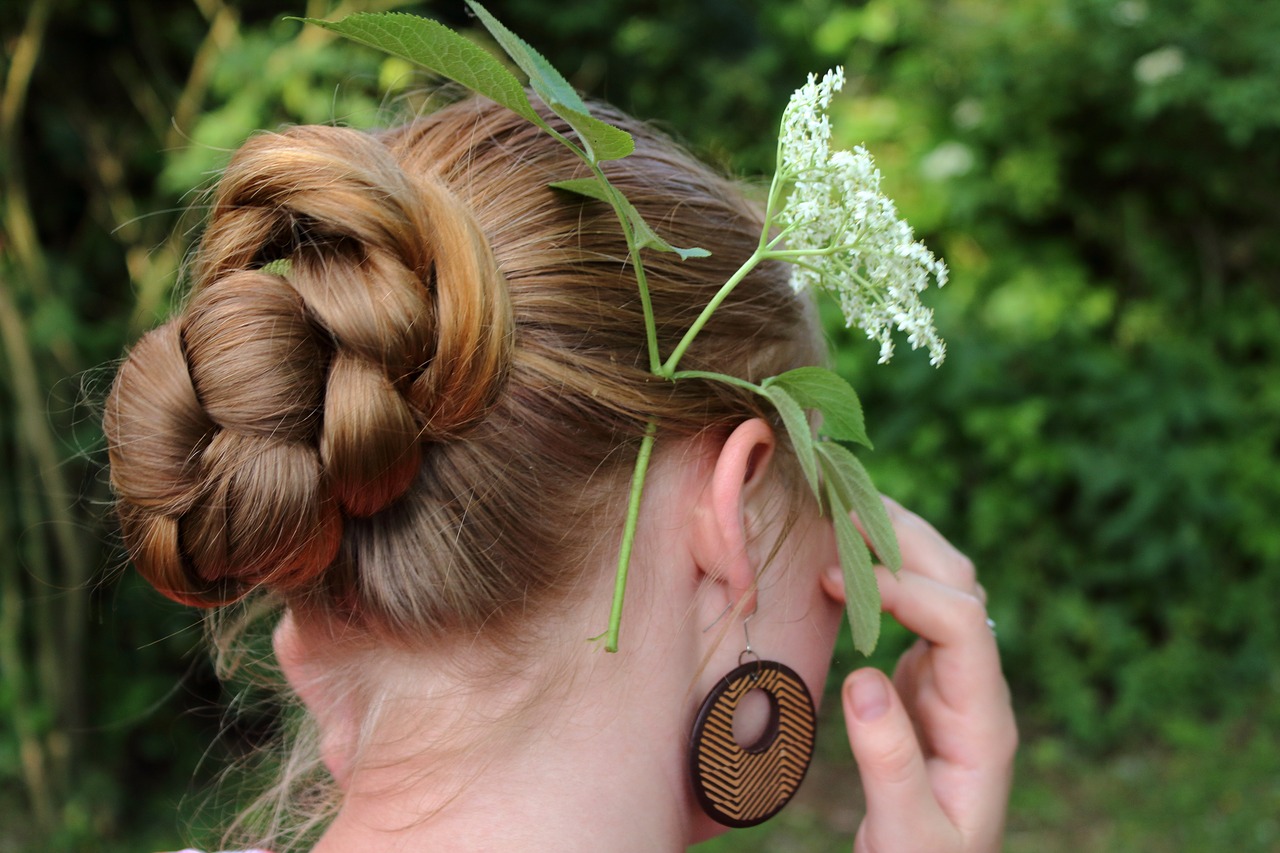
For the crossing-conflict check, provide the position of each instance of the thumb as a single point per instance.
(900, 802)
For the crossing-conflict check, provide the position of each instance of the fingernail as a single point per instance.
(868, 695)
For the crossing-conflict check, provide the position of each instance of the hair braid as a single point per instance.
(409, 381)
(241, 432)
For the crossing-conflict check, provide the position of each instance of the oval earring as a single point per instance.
(742, 786)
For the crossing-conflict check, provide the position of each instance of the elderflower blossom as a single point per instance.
(844, 235)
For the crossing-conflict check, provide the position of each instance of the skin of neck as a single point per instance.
(571, 748)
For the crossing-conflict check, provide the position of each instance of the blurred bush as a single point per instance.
(1105, 180)
(1102, 176)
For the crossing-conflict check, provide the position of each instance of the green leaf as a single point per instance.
(549, 83)
(438, 48)
(801, 435)
(645, 236)
(602, 140)
(280, 267)
(589, 187)
(828, 392)
(861, 595)
(851, 485)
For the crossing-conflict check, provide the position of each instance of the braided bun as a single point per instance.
(339, 414)
(242, 432)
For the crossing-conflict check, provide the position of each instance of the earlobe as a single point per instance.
(730, 509)
(335, 715)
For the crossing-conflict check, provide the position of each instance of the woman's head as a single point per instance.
(410, 378)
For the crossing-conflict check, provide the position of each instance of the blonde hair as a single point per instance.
(409, 372)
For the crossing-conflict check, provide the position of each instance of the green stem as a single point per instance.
(764, 250)
(668, 368)
(617, 202)
(717, 377)
(775, 189)
(629, 535)
(792, 254)
(778, 238)
(642, 281)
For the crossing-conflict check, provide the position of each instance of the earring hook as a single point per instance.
(748, 651)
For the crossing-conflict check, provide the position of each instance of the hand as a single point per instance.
(934, 747)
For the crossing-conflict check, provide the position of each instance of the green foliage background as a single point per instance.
(1104, 440)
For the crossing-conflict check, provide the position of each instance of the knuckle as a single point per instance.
(896, 762)
(968, 611)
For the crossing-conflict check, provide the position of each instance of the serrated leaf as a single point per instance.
(549, 83)
(798, 430)
(589, 187)
(438, 48)
(850, 483)
(861, 595)
(645, 236)
(601, 140)
(280, 267)
(828, 392)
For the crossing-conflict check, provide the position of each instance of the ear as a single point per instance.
(293, 650)
(729, 512)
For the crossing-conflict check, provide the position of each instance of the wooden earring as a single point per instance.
(743, 786)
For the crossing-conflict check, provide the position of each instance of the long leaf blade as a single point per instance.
(798, 430)
(602, 140)
(861, 595)
(850, 482)
(549, 83)
(438, 48)
(645, 236)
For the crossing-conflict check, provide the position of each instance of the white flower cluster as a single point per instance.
(844, 235)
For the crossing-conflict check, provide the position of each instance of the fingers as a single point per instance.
(951, 682)
(903, 814)
(963, 659)
(937, 611)
(937, 596)
(925, 551)
(936, 754)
